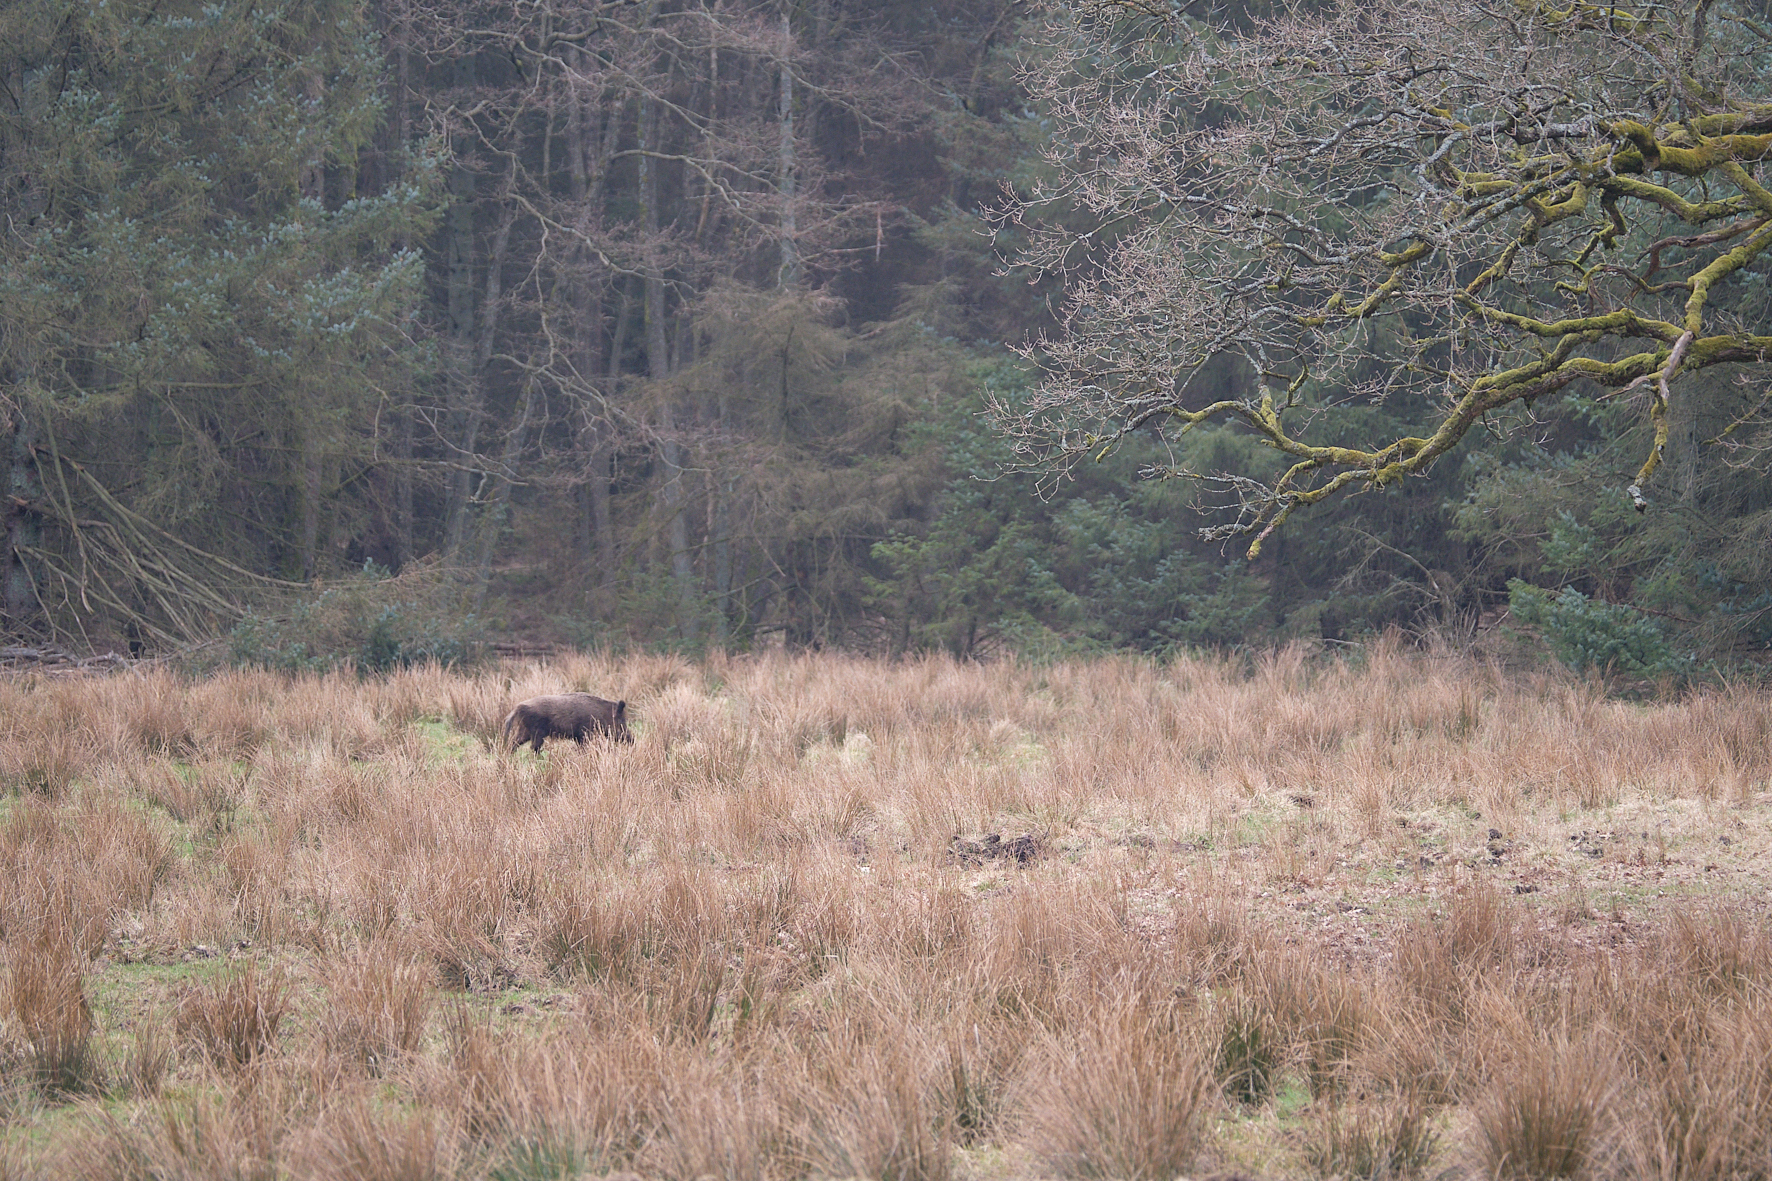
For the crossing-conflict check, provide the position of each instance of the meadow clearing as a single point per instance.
(1384, 916)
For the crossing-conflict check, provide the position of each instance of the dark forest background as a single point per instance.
(390, 328)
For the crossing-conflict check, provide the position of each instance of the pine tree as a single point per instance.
(204, 302)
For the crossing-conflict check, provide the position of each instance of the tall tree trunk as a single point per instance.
(471, 406)
(312, 183)
(659, 370)
(787, 181)
(23, 526)
(800, 631)
(720, 529)
(587, 171)
(492, 521)
(310, 506)
(404, 547)
(601, 452)
(463, 415)
(601, 543)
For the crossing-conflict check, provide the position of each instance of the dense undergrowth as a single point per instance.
(832, 917)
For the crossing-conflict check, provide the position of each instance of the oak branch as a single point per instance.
(1457, 205)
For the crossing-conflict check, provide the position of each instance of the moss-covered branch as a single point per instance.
(1458, 213)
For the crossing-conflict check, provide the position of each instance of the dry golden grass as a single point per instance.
(233, 1023)
(834, 917)
(49, 1019)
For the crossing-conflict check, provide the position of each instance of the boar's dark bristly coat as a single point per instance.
(565, 715)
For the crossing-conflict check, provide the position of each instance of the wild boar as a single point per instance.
(565, 715)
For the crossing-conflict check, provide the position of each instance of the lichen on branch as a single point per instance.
(1459, 206)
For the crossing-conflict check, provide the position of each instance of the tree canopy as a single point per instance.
(681, 322)
(1448, 208)
(202, 300)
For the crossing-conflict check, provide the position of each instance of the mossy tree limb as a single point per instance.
(1454, 207)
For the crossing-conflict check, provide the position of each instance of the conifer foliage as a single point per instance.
(203, 298)
(680, 322)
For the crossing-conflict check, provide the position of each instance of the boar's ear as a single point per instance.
(621, 710)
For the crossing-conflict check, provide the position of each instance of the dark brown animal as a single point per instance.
(565, 715)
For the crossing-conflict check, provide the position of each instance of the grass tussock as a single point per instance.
(379, 1000)
(1249, 1051)
(246, 1129)
(1123, 1094)
(1389, 1138)
(873, 1104)
(830, 917)
(357, 1139)
(1544, 1116)
(1381, 1139)
(48, 1017)
(234, 1021)
(149, 1059)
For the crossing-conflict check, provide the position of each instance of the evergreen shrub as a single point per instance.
(373, 623)
(1584, 633)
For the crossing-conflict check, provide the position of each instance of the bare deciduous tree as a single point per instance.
(645, 169)
(1458, 206)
